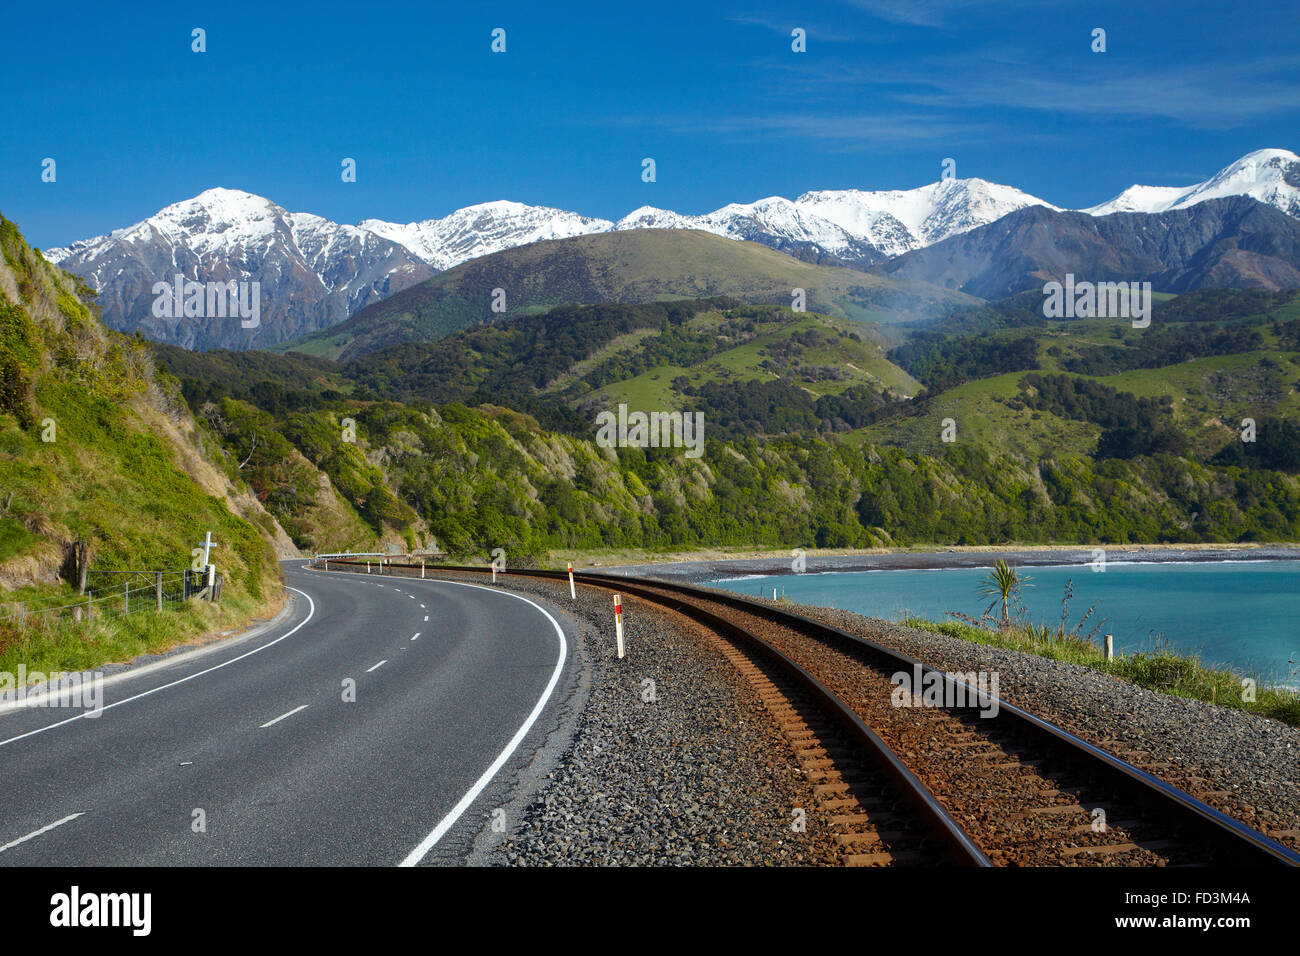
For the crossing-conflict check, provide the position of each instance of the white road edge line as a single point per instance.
(427, 844)
(282, 716)
(377, 666)
(126, 700)
(44, 829)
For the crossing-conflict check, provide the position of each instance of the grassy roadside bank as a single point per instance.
(68, 646)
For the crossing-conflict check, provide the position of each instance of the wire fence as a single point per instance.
(111, 594)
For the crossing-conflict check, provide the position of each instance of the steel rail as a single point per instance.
(1228, 831)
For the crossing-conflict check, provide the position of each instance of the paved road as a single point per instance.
(258, 736)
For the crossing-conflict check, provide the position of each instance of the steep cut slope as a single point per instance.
(96, 445)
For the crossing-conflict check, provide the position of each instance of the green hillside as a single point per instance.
(568, 364)
(97, 446)
(634, 266)
(1217, 357)
(487, 438)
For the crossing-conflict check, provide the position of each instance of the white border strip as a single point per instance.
(447, 822)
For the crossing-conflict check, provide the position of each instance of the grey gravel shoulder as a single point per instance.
(671, 760)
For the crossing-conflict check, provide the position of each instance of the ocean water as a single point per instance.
(1240, 614)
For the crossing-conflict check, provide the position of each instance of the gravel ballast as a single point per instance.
(1243, 764)
(672, 759)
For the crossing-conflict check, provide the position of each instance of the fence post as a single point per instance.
(90, 605)
(126, 596)
(82, 552)
(157, 590)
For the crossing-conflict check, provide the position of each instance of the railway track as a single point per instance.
(973, 781)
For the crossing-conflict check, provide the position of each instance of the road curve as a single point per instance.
(258, 737)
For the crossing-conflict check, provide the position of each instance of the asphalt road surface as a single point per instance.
(258, 737)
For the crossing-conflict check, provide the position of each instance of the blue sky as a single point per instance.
(712, 91)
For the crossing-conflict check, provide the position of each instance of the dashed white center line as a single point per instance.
(423, 606)
(44, 829)
(380, 664)
(426, 617)
(415, 635)
(282, 716)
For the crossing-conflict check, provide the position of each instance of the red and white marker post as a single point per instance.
(572, 593)
(618, 623)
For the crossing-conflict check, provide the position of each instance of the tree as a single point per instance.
(1004, 582)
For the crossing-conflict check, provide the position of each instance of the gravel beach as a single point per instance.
(712, 569)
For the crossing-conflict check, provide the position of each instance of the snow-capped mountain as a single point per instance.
(1270, 175)
(483, 229)
(853, 225)
(774, 221)
(905, 219)
(313, 273)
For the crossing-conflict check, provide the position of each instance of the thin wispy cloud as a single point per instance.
(1218, 96)
(784, 25)
(941, 13)
(858, 132)
(1206, 95)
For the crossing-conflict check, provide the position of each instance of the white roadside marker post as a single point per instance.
(572, 593)
(1110, 647)
(422, 569)
(367, 565)
(494, 574)
(618, 623)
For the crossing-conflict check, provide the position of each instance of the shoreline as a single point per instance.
(703, 569)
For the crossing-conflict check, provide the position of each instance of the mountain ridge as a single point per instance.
(1236, 242)
(317, 273)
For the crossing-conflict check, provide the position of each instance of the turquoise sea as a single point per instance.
(1242, 614)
